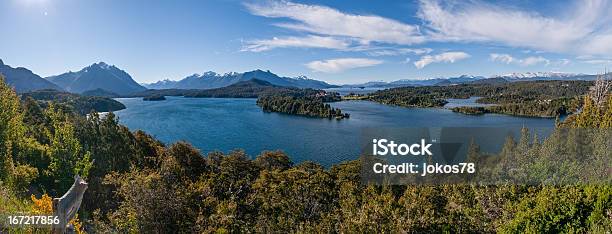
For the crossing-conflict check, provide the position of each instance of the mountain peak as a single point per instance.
(98, 75)
(99, 65)
(302, 77)
(262, 71)
(1, 62)
(102, 65)
(518, 75)
(215, 80)
(209, 73)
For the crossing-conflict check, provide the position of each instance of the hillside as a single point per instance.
(98, 76)
(80, 104)
(525, 98)
(252, 88)
(492, 81)
(212, 80)
(24, 80)
(417, 82)
(100, 93)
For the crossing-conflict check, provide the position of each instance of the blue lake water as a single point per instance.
(471, 102)
(346, 91)
(225, 124)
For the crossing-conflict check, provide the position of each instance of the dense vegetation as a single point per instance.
(74, 102)
(311, 106)
(138, 184)
(154, 98)
(244, 89)
(470, 110)
(100, 93)
(532, 98)
(545, 109)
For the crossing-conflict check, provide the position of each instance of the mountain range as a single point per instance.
(212, 80)
(98, 76)
(108, 80)
(409, 82)
(527, 76)
(466, 79)
(24, 80)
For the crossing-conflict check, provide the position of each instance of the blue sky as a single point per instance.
(336, 41)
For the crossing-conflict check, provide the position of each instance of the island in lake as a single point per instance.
(154, 98)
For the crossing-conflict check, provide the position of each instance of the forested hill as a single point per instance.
(526, 98)
(245, 89)
(74, 102)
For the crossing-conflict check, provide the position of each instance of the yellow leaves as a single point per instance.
(78, 226)
(42, 206)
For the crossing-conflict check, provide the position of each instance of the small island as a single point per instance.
(311, 105)
(154, 98)
(470, 110)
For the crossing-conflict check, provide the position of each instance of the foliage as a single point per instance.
(138, 184)
(74, 102)
(306, 106)
(42, 205)
(245, 89)
(470, 110)
(155, 97)
(533, 98)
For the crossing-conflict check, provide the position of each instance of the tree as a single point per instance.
(14, 145)
(67, 157)
(599, 91)
(273, 160)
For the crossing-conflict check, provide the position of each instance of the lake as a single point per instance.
(225, 124)
(471, 102)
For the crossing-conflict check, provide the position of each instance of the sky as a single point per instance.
(340, 42)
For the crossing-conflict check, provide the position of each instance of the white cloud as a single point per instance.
(598, 61)
(533, 61)
(341, 64)
(324, 20)
(504, 58)
(447, 57)
(303, 42)
(562, 62)
(586, 28)
(583, 27)
(528, 61)
(600, 44)
(400, 51)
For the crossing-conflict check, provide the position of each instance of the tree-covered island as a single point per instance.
(529, 98)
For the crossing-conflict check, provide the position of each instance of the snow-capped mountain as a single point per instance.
(162, 84)
(421, 82)
(97, 76)
(211, 80)
(525, 76)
